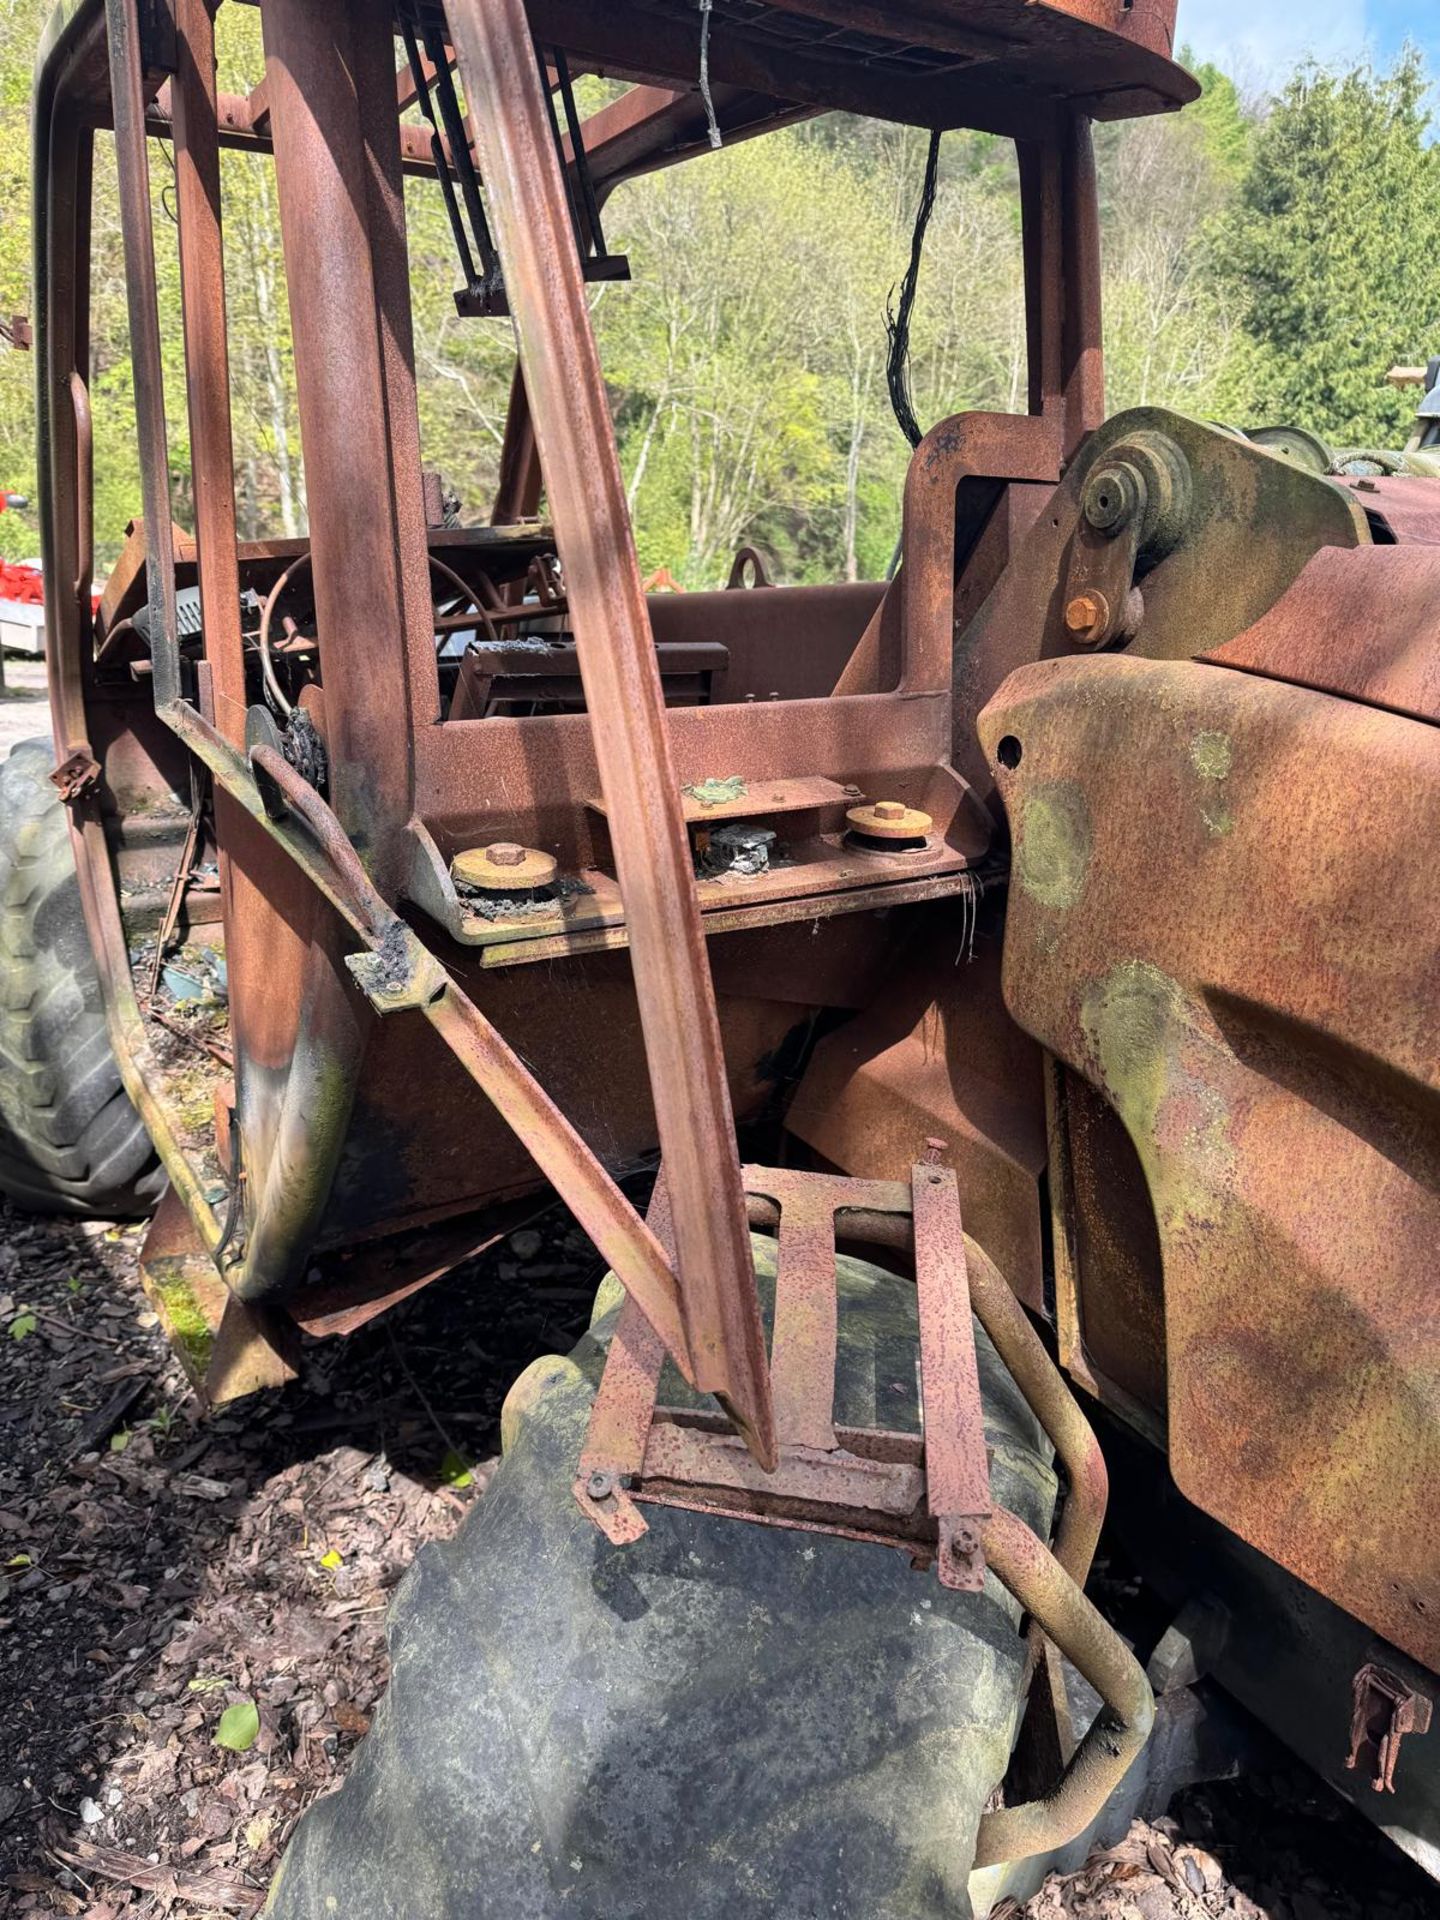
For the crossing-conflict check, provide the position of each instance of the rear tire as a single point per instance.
(70, 1141)
(721, 1722)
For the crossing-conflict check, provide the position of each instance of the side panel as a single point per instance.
(1223, 917)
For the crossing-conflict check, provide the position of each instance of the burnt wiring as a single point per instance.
(897, 320)
(717, 139)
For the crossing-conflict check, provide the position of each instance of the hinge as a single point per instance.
(1385, 1711)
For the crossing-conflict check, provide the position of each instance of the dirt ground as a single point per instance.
(24, 705)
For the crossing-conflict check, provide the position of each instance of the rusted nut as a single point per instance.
(504, 868)
(600, 1486)
(889, 820)
(1087, 617)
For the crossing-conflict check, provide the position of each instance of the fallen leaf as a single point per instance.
(350, 1719)
(239, 1727)
(334, 1559)
(455, 1470)
(22, 1326)
(119, 1441)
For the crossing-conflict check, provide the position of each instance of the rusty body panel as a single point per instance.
(1279, 1083)
(1386, 602)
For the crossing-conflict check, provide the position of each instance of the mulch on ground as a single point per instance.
(1273, 1845)
(158, 1568)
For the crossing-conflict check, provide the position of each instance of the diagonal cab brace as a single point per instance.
(545, 284)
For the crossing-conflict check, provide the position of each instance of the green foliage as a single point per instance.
(455, 1471)
(1260, 264)
(1331, 253)
(239, 1727)
(1226, 131)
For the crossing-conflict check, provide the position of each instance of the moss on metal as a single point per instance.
(1056, 842)
(185, 1323)
(1213, 757)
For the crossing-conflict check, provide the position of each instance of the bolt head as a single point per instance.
(1087, 614)
(889, 810)
(600, 1486)
(505, 854)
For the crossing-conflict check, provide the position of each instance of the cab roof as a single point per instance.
(979, 63)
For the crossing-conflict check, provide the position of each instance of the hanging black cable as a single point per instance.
(437, 153)
(592, 242)
(897, 321)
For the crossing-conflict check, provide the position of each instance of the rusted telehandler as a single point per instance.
(1054, 921)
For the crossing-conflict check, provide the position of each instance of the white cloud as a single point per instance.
(1250, 39)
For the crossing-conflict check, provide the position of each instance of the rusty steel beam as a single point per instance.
(1083, 361)
(127, 87)
(517, 497)
(207, 358)
(268, 910)
(338, 179)
(1060, 222)
(626, 704)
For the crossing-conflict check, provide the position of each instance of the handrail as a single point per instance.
(1028, 1570)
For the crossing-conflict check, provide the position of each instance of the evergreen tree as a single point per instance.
(1332, 253)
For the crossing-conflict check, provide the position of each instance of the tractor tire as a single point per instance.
(70, 1141)
(722, 1722)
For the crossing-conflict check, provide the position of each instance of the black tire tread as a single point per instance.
(70, 1140)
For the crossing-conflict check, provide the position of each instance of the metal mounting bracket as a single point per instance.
(928, 1494)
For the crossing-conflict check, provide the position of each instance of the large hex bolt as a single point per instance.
(1087, 617)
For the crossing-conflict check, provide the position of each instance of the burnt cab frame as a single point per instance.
(306, 880)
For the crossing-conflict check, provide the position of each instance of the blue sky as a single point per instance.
(1260, 40)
